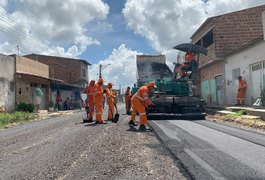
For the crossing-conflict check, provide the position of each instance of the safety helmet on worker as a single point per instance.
(109, 84)
(151, 84)
(100, 80)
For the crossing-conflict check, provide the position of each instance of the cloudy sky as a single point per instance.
(107, 32)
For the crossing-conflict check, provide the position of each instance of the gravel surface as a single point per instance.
(65, 148)
(240, 121)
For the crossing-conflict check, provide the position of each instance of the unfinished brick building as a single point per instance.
(221, 35)
(68, 76)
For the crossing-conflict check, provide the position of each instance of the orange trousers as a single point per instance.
(111, 109)
(241, 94)
(128, 103)
(138, 107)
(91, 106)
(99, 111)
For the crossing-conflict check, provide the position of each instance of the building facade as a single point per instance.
(68, 76)
(30, 74)
(249, 62)
(221, 35)
(7, 83)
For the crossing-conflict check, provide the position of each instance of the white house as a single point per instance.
(249, 62)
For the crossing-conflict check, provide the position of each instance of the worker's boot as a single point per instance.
(90, 120)
(102, 122)
(132, 123)
(144, 128)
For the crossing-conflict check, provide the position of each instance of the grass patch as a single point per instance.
(237, 114)
(17, 117)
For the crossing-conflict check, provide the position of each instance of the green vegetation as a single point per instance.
(239, 113)
(25, 107)
(16, 117)
(51, 103)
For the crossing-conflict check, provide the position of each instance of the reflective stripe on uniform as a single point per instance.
(139, 97)
(141, 114)
(98, 113)
(133, 113)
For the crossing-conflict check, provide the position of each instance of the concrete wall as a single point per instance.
(7, 82)
(243, 60)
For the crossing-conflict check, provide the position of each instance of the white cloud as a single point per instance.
(214, 8)
(3, 3)
(53, 23)
(165, 23)
(122, 68)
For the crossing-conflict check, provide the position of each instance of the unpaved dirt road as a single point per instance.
(65, 148)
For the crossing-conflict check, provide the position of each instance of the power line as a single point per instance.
(12, 23)
(29, 40)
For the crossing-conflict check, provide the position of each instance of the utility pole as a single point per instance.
(18, 50)
(100, 68)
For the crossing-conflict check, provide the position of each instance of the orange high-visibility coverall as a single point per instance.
(90, 91)
(128, 100)
(180, 71)
(98, 99)
(110, 102)
(140, 101)
(241, 92)
(189, 56)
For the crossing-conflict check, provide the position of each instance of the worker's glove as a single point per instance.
(104, 91)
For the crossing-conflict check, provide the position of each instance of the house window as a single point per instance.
(206, 40)
(83, 73)
(235, 73)
(256, 67)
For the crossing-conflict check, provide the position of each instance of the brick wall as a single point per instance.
(231, 31)
(66, 69)
(26, 65)
(212, 71)
(235, 29)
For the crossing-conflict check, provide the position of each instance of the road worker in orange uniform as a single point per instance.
(128, 96)
(190, 56)
(140, 101)
(110, 101)
(90, 91)
(180, 71)
(98, 99)
(242, 87)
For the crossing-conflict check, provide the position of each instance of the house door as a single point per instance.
(220, 89)
(257, 72)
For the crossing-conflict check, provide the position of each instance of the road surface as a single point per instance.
(65, 148)
(211, 150)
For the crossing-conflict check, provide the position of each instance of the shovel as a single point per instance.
(116, 117)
